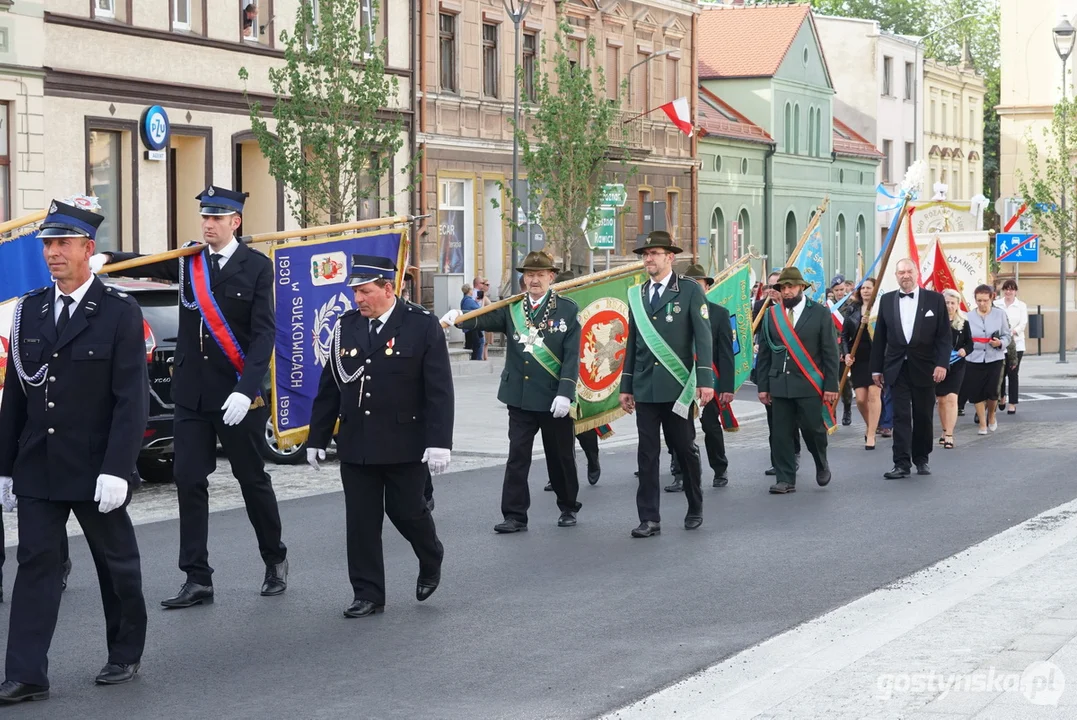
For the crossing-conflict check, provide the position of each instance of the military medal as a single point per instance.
(389, 349)
(563, 327)
(353, 352)
(531, 340)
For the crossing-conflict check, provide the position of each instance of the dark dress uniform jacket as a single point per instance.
(644, 376)
(405, 404)
(89, 415)
(525, 384)
(778, 374)
(203, 377)
(723, 347)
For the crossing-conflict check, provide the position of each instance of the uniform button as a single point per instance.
(368, 394)
(52, 405)
(527, 362)
(56, 355)
(205, 357)
(366, 412)
(90, 352)
(526, 378)
(656, 364)
(52, 431)
(52, 378)
(368, 361)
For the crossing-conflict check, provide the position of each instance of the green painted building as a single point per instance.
(764, 65)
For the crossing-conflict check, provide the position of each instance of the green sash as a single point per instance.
(545, 358)
(663, 352)
(795, 348)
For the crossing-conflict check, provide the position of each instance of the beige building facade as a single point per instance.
(953, 100)
(465, 101)
(106, 61)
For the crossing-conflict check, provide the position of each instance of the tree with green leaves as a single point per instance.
(567, 139)
(1050, 173)
(333, 140)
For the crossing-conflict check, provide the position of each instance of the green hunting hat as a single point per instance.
(791, 276)
(697, 272)
(658, 239)
(564, 275)
(537, 260)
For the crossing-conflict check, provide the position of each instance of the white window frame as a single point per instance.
(109, 12)
(176, 23)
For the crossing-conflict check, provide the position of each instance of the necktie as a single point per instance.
(215, 264)
(375, 326)
(65, 314)
(656, 298)
(904, 294)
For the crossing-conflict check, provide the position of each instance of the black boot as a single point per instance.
(847, 418)
(594, 470)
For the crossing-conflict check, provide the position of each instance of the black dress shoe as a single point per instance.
(676, 486)
(549, 487)
(646, 529)
(782, 488)
(13, 692)
(116, 674)
(822, 476)
(594, 472)
(847, 417)
(923, 469)
(67, 571)
(364, 608)
(276, 580)
(567, 519)
(897, 472)
(721, 480)
(771, 472)
(692, 521)
(190, 594)
(510, 526)
(425, 587)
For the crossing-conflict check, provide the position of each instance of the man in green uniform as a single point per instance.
(797, 375)
(542, 364)
(667, 371)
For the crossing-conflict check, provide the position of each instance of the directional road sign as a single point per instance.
(1017, 247)
(614, 195)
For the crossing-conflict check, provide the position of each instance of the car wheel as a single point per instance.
(155, 469)
(273, 452)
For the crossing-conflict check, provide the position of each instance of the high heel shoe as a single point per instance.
(949, 442)
(866, 446)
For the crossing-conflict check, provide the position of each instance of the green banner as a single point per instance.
(734, 293)
(603, 336)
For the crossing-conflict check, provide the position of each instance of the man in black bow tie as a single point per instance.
(911, 352)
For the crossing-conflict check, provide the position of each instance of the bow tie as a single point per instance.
(905, 294)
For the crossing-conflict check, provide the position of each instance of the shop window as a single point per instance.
(105, 169)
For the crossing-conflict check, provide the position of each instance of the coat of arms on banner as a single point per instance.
(324, 322)
(329, 268)
(603, 335)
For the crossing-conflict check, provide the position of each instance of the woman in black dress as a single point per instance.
(946, 392)
(868, 396)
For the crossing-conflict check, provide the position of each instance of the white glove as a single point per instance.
(449, 318)
(98, 261)
(7, 497)
(560, 406)
(313, 456)
(235, 408)
(111, 492)
(437, 459)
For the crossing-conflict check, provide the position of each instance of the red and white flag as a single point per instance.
(936, 273)
(680, 114)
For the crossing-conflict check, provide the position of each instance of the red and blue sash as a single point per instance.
(804, 361)
(211, 313)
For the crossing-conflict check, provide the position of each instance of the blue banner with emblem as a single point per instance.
(310, 292)
(22, 267)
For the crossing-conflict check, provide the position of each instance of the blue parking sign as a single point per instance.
(1017, 247)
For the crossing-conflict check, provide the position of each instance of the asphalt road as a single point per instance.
(552, 623)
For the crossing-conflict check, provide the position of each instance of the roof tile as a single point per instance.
(742, 42)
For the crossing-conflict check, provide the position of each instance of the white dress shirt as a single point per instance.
(797, 310)
(1017, 314)
(384, 318)
(907, 306)
(76, 295)
(226, 252)
(660, 284)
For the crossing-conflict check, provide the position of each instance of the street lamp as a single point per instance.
(1064, 35)
(644, 61)
(517, 13)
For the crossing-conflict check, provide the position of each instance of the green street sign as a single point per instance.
(614, 195)
(605, 237)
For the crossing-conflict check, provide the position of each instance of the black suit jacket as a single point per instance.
(723, 347)
(203, 377)
(405, 404)
(88, 416)
(929, 347)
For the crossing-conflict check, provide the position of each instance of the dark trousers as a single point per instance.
(713, 440)
(35, 602)
(770, 429)
(651, 420)
(914, 420)
(793, 416)
(557, 444)
(399, 490)
(196, 434)
(847, 394)
(589, 444)
(428, 488)
(1010, 379)
(65, 553)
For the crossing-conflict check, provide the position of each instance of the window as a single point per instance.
(744, 230)
(104, 8)
(717, 163)
(447, 46)
(972, 184)
(575, 52)
(613, 72)
(250, 20)
(888, 150)
(972, 123)
(452, 210)
(744, 166)
(490, 84)
(673, 80)
(888, 75)
(644, 82)
(957, 122)
(931, 120)
(910, 154)
(367, 19)
(673, 212)
(796, 129)
(909, 79)
(811, 131)
(5, 166)
(788, 128)
(530, 49)
(791, 235)
(315, 14)
(181, 14)
(105, 151)
(862, 240)
(841, 176)
(843, 244)
(944, 114)
(646, 212)
(720, 246)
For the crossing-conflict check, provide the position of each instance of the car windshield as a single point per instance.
(161, 310)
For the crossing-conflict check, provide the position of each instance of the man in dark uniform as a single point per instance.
(775, 298)
(393, 431)
(713, 435)
(539, 386)
(840, 288)
(668, 369)
(797, 374)
(226, 335)
(71, 427)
